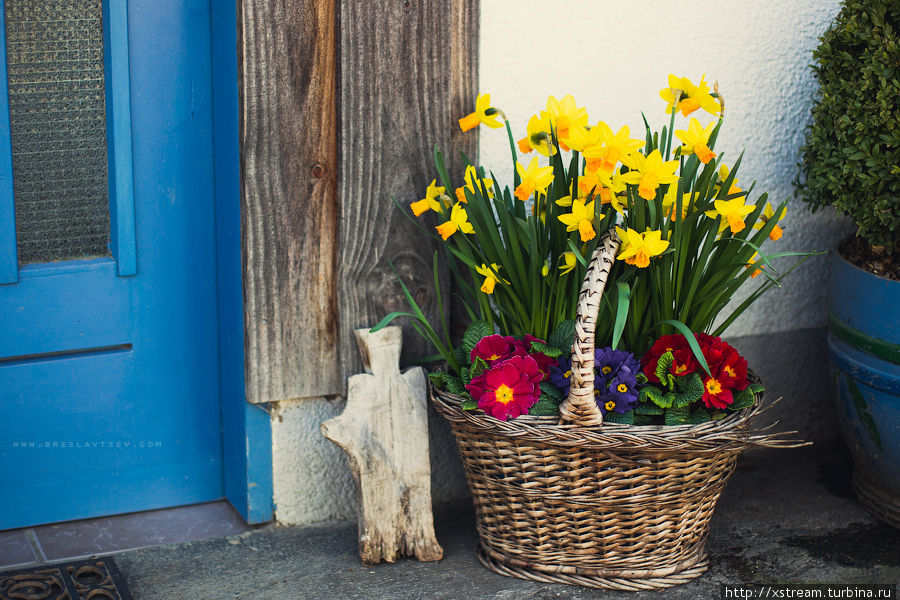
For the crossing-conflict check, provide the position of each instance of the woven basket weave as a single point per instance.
(617, 506)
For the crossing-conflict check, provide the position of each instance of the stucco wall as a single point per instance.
(614, 57)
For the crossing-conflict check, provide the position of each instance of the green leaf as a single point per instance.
(465, 375)
(677, 416)
(476, 331)
(544, 407)
(545, 349)
(643, 419)
(551, 390)
(622, 302)
(614, 417)
(691, 387)
(563, 336)
(691, 340)
(664, 365)
(448, 382)
(743, 399)
(469, 405)
(700, 415)
(479, 366)
(648, 408)
(657, 396)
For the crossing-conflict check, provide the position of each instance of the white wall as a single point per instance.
(614, 57)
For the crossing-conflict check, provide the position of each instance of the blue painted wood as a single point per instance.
(246, 428)
(119, 136)
(9, 263)
(72, 427)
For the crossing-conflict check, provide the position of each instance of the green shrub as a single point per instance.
(852, 155)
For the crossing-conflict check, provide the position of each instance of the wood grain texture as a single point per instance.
(384, 431)
(401, 91)
(289, 198)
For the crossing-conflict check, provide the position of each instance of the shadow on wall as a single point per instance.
(793, 365)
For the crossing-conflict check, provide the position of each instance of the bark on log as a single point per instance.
(384, 431)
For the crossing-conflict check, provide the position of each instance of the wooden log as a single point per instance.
(289, 198)
(384, 431)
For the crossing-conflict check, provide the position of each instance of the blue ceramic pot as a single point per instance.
(864, 346)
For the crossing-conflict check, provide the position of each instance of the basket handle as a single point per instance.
(580, 408)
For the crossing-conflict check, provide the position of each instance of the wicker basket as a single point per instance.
(617, 506)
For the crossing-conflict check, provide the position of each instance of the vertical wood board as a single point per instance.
(289, 204)
(401, 88)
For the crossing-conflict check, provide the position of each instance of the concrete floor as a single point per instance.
(786, 516)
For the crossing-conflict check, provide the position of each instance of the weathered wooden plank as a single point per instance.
(406, 68)
(289, 201)
(384, 431)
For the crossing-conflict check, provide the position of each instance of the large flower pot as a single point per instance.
(864, 346)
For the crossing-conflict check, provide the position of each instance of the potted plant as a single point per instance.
(597, 429)
(851, 161)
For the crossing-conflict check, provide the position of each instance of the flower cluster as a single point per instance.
(690, 237)
(727, 369)
(509, 385)
(615, 379)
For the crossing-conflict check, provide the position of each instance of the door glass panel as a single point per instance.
(58, 128)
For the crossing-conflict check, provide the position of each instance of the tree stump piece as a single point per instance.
(384, 432)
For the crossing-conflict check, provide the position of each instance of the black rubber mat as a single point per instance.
(96, 579)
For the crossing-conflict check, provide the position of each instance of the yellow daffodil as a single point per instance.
(724, 172)
(732, 213)
(687, 97)
(581, 137)
(433, 194)
(569, 261)
(649, 172)
(545, 270)
(564, 201)
(564, 114)
(490, 277)
(535, 179)
(581, 219)
(767, 215)
(484, 114)
(538, 136)
(597, 184)
(614, 147)
(639, 248)
(459, 221)
(695, 140)
(471, 181)
(671, 199)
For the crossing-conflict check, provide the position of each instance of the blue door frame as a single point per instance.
(245, 428)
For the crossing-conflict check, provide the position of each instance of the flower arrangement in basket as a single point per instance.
(598, 429)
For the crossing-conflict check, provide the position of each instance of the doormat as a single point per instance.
(96, 579)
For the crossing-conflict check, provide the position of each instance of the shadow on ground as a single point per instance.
(786, 516)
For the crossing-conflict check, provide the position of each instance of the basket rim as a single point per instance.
(734, 432)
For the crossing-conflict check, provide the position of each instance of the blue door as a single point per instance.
(109, 381)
